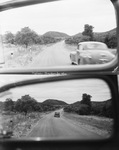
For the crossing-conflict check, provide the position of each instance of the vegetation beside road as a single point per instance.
(26, 44)
(22, 123)
(22, 56)
(87, 107)
(25, 113)
(109, 37)
(27, 37)
(27, 104)
(97, 124)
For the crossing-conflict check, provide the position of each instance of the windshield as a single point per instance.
(70, 109)
(47, 34)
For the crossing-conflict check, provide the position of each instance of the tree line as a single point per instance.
(88, 35)
(86, 107)
(26, 37)
(27, 104)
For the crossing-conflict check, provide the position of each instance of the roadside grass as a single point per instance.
(102, 123)
(21, 123)
(22, 56)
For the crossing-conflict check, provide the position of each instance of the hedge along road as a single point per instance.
(54, 127)
(55, 55)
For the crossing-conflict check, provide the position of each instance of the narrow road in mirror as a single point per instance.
(60, 127)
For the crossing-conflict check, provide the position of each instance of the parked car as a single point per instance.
(57, 114)
(91, 52)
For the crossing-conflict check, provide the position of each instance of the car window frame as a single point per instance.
(107, 67)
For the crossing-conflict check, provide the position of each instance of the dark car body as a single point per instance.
(57, 114)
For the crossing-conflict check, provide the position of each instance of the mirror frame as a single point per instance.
(111, 81)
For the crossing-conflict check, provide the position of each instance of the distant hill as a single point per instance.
(55, 34)
(112, 32)
(76, 104)
(53, 102)
(110, 37)
(93, 103)
(77, 35)
(104, 34)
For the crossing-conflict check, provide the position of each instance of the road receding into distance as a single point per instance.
(55, 55)
(54, 127)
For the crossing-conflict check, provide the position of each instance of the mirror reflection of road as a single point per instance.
(50, 126)
(55, 55)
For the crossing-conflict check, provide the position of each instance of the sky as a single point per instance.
(68, 16)
(69, 91)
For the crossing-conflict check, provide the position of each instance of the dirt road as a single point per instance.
(50, 126)
(55, 55)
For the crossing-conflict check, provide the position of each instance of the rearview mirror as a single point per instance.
(58, 107)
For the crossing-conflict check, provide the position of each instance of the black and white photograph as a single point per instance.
(59, 74)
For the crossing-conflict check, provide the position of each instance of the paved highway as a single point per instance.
(50, 126)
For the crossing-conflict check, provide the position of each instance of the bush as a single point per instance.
(68, 109)
(77, 39)
(49, 40)
(111, 41)
(108, 110)
(83, 110)
(102, 108)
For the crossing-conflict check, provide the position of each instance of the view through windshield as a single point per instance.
(72, 109)
(46, 35)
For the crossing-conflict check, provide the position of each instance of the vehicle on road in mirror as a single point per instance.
(91, 52)
(57, 114)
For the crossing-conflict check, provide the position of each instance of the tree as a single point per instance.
(88, 31)
(111, 41)
(49, 39)
(27, 104)
(9, 37)
(26, 37)
(84, 38)
(9, 105)
(86, 99)
(18, 105)
(83, 109)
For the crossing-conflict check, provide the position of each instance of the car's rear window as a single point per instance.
(95, 46)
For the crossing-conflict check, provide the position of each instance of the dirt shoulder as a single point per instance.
(22, 124)
(100, 125)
